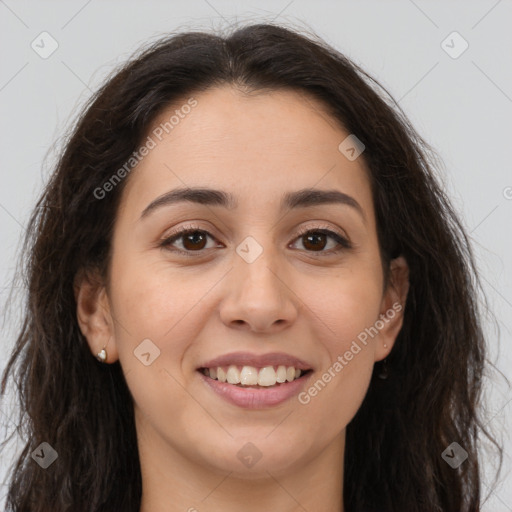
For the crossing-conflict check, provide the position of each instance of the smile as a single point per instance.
(252, 376)
(251, 388)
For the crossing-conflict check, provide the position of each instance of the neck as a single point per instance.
(172, 482)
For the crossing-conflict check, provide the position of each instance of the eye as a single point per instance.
(194, 239)
(316, 239)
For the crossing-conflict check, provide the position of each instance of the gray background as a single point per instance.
(462, 106)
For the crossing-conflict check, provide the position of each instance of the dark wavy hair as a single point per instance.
(84, 409)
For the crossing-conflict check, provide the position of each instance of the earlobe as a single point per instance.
(94, 317)
(393, 307)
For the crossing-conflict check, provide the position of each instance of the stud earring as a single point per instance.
(102, 355)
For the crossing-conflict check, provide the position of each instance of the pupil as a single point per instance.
(194, 238)
(313, 237)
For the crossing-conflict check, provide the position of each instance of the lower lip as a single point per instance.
(252, 398)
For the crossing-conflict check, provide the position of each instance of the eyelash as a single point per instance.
(341, 240)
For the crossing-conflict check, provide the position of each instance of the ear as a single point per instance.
(93, 314)
(392, 307)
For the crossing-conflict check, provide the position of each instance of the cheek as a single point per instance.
(154, 314)
(336, 390)
(334, 395)
(348, 308)
(156, 304)
(347, 303)
(153, 298)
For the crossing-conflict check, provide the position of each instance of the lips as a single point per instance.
(256, 361)
(255, 381)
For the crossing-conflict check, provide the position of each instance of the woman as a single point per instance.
(247, 291)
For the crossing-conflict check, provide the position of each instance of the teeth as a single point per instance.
(251, 376)
(281, 374)
(267, 376)
(233, 375)
(221, 374)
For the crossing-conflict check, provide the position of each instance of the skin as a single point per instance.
(290, 299)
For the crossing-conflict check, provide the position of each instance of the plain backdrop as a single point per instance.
(458, 98)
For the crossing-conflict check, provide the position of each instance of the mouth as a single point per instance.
(253, 377)
(255, 381)
(249, 387)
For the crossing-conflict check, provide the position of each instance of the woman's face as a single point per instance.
(248, 283)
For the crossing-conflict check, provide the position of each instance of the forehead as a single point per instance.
(258, 146)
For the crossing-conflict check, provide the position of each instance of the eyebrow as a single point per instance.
(303, 198)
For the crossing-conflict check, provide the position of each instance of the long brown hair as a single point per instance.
(84, 409)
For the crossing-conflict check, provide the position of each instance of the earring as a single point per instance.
(385, 346)
(102, 355)
(383, 372)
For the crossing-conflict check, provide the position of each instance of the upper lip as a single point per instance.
(258, 361)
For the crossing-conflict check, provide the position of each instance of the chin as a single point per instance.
(254, 458)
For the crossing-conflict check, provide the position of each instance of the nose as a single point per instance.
(259, 296)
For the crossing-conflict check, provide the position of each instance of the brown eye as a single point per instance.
(316, 240)
(313, 240)
(192, 240)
